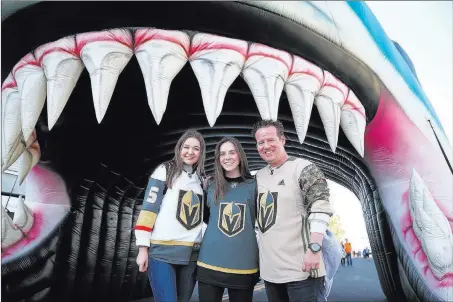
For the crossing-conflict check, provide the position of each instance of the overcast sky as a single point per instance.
(425, 30)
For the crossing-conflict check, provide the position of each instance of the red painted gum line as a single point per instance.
(307, 69)
(144, 35)
(11, 84)
(268, 52)
(353, 106)
(336, 86)
(29, 59)
(122, 37)
(267, 55)
(51, 49)
(307, 72)
(216, 42)
(331, 81)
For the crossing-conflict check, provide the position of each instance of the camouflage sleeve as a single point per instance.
(152, 201)
(316, 196)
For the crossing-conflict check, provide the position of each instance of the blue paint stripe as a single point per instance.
(389, 50)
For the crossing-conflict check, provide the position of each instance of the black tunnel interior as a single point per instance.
(91, 257)
(106, 167)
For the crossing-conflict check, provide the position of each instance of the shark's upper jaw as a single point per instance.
(54, 69)
(128, 133)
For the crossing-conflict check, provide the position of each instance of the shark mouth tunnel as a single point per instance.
(96, 94)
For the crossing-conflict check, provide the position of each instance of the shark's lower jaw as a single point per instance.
(128, 143)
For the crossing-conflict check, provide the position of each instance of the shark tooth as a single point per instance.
(105, 55)
(28, 160)
(353, 122)
(62, 67)
(11, 234)
(303, 84)
(31, 83)
(216, 62)
(265, 72)
(329, 102)
(11, 120)
(19, 150)
(23, 217)
(161, 55)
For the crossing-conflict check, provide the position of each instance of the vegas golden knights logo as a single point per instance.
(188, 212)
(267, 212)
(231, 218)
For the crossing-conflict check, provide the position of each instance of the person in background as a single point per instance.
(348, 250)
(343, 258)
(168, 231)
(366, 253)
(293, 215)
(229, 252)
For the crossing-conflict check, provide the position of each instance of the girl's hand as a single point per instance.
(142, 259)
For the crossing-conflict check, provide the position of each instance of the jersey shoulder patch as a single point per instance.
(160, 173)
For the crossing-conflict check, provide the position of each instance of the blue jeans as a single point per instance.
(349, 259)
(306, 290)
(171, 282)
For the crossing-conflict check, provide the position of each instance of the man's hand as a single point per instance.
(142, 259)
(311, 261)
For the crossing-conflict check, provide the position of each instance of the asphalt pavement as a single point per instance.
(357, 283)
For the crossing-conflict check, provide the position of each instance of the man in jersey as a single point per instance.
(293, 215)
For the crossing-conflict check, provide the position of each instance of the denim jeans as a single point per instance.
(171, 282)
(349, 259)
(306, 290)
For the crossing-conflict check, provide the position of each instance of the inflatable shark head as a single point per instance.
(96, 94)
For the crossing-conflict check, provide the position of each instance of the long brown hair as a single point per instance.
(219, 177)
(176, 164)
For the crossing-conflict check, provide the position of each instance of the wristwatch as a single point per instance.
(315, 247)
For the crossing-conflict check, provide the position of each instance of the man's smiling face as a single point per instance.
(270, 145)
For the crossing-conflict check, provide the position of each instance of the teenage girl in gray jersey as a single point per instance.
(229, 252)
